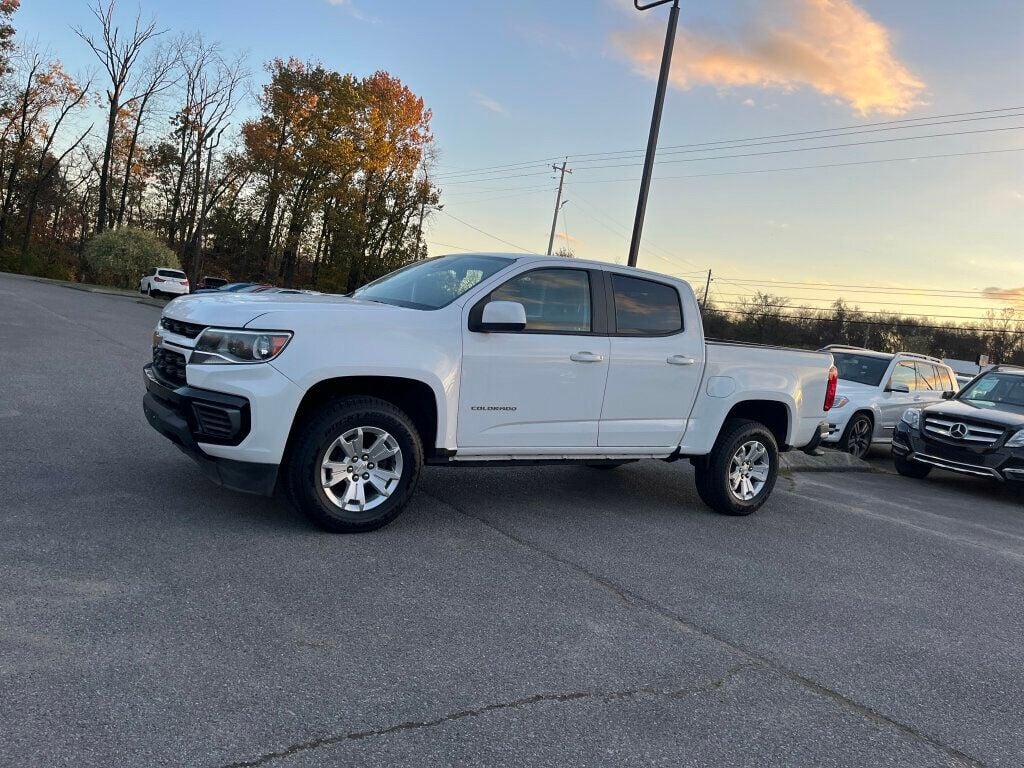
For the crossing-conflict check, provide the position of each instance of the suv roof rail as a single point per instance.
(828, 347)
(1003, 367)
(917, 356)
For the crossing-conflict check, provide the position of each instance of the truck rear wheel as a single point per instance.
(354, 464)
(738, 476)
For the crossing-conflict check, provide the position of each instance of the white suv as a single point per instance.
(875, 388)
(164, 281)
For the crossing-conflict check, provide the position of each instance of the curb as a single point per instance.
(828, 461)
(90, 288)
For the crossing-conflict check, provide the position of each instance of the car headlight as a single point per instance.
(1016, 440)
(222, 346)
(912, 416)
(840, 402)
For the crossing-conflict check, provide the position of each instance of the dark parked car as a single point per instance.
(978, 431)
(211, 283)
(229, 288)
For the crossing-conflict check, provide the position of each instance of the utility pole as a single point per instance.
(564, 169)
(707, 285)
(652, 140)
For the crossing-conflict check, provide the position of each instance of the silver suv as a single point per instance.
(875, 388)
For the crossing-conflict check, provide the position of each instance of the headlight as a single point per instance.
(840, 402)
(912, 416)
(1016, 440)
(221, 346)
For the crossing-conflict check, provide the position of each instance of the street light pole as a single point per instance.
(652, 140)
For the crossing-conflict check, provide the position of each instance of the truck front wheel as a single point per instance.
(738, 476)
(354, 464)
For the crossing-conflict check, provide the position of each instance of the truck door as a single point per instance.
(656, 364)
(541, 387)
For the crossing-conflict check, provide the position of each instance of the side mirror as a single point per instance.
(901, 388)
(503, 316)
(948, 395)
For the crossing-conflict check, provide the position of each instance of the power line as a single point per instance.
(754, 171)
(482, 232)
(918, 326)
(876, 312)
(830, 136)
(609, 154)
(810, 149)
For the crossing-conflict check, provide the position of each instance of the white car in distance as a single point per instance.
(164, 281)
(875, 388)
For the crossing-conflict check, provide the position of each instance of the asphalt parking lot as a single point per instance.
(542, 616)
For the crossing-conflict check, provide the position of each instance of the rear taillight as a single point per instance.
(830, 390)
(159, 280)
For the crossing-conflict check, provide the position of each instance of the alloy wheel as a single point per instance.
(361, 469)
(748, 470)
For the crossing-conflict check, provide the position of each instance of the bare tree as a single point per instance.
(118, 54)
(158, 76)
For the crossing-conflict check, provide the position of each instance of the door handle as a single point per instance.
(586, 357)
(679, 360)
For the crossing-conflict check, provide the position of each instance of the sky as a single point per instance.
(932, 224)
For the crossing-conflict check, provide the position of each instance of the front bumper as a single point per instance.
(186, 416)
(998, 463)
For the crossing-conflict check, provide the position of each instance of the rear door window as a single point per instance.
(645, 307)
(905, 374)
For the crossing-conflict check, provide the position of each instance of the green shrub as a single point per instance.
(121, 257)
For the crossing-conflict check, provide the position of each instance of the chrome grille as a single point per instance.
(963, 432)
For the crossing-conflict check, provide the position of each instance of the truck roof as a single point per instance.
(569, 262)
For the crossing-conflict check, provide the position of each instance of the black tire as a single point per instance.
(712, 473)
(319, 431)
(856, 439)
(912, 469)
(152, 294)
(607, 464)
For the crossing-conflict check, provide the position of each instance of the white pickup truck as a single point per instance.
(467, 360)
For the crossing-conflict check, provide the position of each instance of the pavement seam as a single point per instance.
(527, 701)
(636, 600)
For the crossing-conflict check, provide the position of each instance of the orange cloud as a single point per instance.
(1010, 295)
(832, 46)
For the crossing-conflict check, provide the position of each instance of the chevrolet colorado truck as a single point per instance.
(474, 359)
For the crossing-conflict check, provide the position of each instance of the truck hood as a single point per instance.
(1007, 416)
(237, 310)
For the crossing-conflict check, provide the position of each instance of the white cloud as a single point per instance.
(354, 12)
(488, 103)
(833, 46)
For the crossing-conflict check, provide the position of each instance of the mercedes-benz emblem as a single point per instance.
(959, 431)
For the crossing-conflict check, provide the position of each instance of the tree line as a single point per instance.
(320, 179)
(766, 318)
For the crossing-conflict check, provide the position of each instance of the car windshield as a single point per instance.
(996, 390)
(862, 369)
(434, 283)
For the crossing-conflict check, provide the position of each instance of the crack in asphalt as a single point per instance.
(540, 698)
(754, 658)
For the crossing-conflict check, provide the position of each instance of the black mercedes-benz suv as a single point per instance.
(978, 431)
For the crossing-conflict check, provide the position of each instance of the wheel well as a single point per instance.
(413, 397)
(862, 412)
(771, 413)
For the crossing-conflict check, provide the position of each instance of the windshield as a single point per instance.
(862, 369)
(996, 390)
(434, 283)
